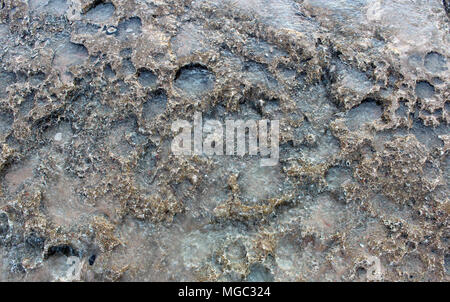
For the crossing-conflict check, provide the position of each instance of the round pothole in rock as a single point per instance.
(368, 111)
(100, 13)
(259, 273)
(62, 249)
(435, 62)
(424, 90)
(68, 54)
(194, 80)
(129, 28)
(146, 78)
(37, 78)
(128, 67)
(109, 72)
(155, 105)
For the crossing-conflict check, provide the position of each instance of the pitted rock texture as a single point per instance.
(89, 187)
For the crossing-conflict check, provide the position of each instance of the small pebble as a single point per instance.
(110, 30)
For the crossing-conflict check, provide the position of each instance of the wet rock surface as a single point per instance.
(89, 189)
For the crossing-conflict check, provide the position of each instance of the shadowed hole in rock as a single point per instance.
(72, 53)
(194, 79)
(259, 103)
(272, 107)
(69, 54)
(402, 110)
(429, 136)
(361, 273)
(124, 88)
(100, 12)
(18, 175)
(155, 105)
(127, 67)
(438, 113)
(21, 76)
(145, 169)
(435, 62)
(124, 137)
(109, 72)
(259, 273)
(28, 103)
(129, 28)
(60, 133)
(353, 80)
(146, 78)
(424, 90)
(336, 176)
(6, 121)
(368, 111)
(248, 110)
(302, 133)
(63, 249)
(94, 59)
(446, 4)
(37, 78)
(6, 78)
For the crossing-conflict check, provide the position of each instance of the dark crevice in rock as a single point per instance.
(63, 249)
